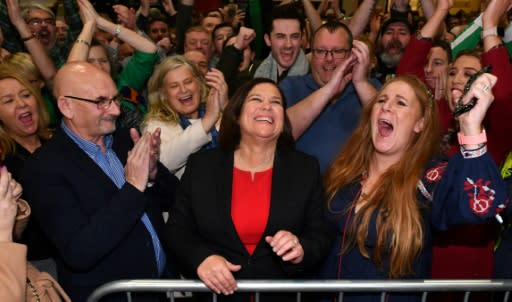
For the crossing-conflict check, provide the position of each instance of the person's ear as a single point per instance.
(419, 125)
(267, 39)
(65, 107)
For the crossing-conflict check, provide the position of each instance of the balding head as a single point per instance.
(199, 59)
(78, 76)
(78, 87)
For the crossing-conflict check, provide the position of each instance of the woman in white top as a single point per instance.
(187, 107)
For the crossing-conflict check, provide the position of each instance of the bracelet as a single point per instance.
(480, 146)
(117, 31)
(501, 45)
(422, 38)
(472, 139)
(473, 153)
(493, 31)
(84, 42)
(28, 38)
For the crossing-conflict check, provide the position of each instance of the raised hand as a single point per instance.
(470, 122)
(244, 37)
(87, 12)
(362, 65)
(125, 16)
(215, 79)
(341, 77)
(13, 9)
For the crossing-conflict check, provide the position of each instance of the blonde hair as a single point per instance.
(7, 144)
(399, 221)
(159, 107)
(24, 64)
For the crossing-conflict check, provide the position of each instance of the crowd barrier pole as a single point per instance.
(304, 286)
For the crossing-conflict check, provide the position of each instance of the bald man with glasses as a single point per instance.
(324, 105)
(98, 192)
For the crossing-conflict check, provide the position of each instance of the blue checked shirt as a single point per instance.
(111, 165)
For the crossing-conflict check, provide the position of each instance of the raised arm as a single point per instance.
(312, 14)
(490, 21)
(361, 17)
(39, 54)
(435, 22)
(303, 113)
(365, 90)
(428, 8)
(80, 51)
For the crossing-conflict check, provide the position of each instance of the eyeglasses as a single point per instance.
(337, 53)
(102, 102)
(37, 21)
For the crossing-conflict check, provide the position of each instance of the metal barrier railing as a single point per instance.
(304, 286)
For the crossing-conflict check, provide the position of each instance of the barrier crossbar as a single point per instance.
(304, 286)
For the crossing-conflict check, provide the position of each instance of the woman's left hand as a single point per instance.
(471, 121)
(287, 246)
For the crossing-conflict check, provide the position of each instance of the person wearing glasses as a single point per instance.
(132, 79)
(98, 193)
(42, 26)
(324, 105)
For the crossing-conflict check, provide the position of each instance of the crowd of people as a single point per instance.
(259, 140)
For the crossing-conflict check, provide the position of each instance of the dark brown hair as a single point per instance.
(229, 134)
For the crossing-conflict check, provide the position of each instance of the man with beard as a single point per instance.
(324, 106)
(41, 21)
(394, 37)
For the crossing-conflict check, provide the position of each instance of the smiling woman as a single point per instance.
(388, 185)
(187, 107)
(236, 216)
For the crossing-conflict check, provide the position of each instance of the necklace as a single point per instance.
(33, 290)
(258, 167)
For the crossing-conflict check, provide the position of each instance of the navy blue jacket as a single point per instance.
(95, 227)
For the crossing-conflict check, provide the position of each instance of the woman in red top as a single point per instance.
(253, 208)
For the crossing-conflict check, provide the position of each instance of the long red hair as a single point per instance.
(399, 222)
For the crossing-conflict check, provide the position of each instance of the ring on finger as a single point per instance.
(486, 88)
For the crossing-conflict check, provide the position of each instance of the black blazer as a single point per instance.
(95, 226)
(200, 224)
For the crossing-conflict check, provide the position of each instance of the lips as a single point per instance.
(26, 118)
(287, 55)
(186, 100)
(44, 36)
(456, 93)
(385, 127)
(265, 119)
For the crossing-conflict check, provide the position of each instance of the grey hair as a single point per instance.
(33, 5)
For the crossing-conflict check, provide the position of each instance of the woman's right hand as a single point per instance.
(216, 273)
(8, 206)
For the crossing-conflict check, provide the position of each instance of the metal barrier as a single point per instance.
(303, 286)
